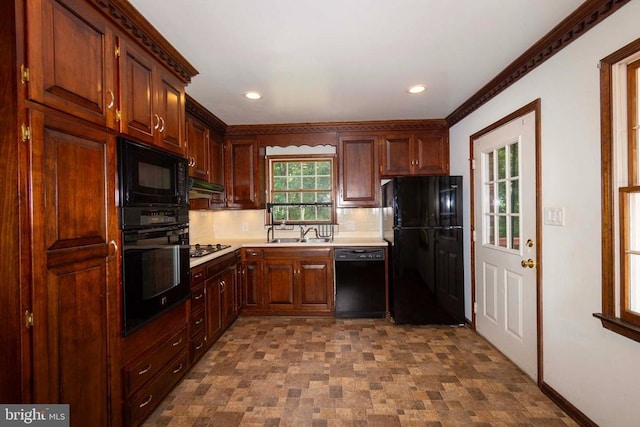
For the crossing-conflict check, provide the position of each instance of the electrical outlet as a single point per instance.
(245, 226)
(554, 216)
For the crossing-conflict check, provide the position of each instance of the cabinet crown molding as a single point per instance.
(365, 126)
(133, 23)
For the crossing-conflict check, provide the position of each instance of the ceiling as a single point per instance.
(346, 60)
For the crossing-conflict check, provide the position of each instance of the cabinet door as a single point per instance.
(217, 167)
(75, 279)
(359, 180)
(251, 284)
(136, 93)
(228, 296)
(315, 285)
(396, 155)
(431, 153)
(243, 173)
(279, 285)
(170, 112)
(212, 308)
(70, 56)
(198, 149)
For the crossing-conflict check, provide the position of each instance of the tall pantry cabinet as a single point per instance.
(63, 101)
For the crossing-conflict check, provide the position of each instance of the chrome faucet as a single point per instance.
(304, 232)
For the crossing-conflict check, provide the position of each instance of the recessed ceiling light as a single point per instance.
(417, 88)
(252, 95)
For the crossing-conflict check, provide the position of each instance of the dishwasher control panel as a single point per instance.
(358, 254)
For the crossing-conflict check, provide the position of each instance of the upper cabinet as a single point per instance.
(90, 65)
(151, 99)
(198, 149)
(415, 153)
(358, 178)
(244, 175)
(70, 62)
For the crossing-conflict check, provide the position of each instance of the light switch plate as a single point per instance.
(554, 216)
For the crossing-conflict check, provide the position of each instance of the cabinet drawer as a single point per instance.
(145, 367)
(197, 299)
(252, 253)
(198, 347)
(197, 322)
(214, 267)
(197, 276)
(148, 397)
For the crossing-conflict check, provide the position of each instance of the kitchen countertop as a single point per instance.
(252, 243)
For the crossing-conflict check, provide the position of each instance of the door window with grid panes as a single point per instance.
(502, 197)
(301, 189)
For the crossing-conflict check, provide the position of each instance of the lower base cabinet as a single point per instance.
(289, 281)
(214, 307)
(156, 357)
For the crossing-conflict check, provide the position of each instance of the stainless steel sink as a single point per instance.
(285, 240)
(297, 240)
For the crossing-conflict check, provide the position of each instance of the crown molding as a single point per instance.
(367, 126)
(133, 23)
(193, 108)
(585, 17)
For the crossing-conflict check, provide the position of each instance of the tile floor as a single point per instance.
(281, 371)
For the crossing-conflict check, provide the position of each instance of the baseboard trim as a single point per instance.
(577, 415)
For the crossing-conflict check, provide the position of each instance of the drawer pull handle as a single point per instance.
(197, 297)
(146, 402)
(177, 342)
(197, 322)
(145, 370)
(178, 369)
(199, 346)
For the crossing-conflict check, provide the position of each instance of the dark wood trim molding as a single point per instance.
(132, 22)
(608, 316)
(367, 126)
(585, 17)
(566, 406)
(194, 108)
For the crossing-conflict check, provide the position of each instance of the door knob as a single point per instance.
(528, 263)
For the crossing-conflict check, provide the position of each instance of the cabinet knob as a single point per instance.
(157, 117)
(162, 126)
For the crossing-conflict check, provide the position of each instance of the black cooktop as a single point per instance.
(198, 250)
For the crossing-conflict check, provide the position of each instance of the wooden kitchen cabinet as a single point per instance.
(155, 358)
(70, 64)
(74, 266)
(251, 280)
(244, 181)
(290, 280)
(151, 99)
(358, 177)
(213, 302)
(415, 153)
(198, 149)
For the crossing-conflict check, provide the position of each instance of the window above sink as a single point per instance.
(301, 189)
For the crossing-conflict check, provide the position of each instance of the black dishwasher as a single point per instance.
(360, 282)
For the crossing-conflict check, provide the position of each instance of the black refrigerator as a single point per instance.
(423, 225)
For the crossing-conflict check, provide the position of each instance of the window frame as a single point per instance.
(613, 117)
(270, 159)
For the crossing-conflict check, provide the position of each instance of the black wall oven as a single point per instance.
(154, 217)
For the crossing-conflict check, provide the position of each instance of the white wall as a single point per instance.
(594, 369)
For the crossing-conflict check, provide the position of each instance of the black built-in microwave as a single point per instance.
(150, 177)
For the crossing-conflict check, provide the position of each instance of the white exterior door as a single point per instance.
(505, 224)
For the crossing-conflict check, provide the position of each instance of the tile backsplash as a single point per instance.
(218, 226)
